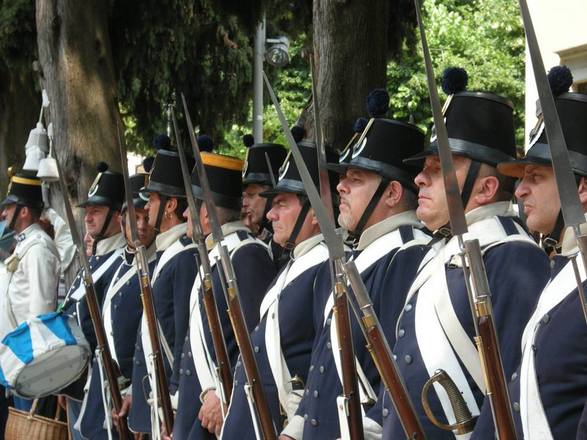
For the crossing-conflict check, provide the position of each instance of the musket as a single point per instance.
(235, 312)
(223, 369)
(474, 273)
(572, 210)
(350, 385)
(142, 264)
(102, 347)
(377, 344)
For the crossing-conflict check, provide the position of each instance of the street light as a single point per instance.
(275, 55)
(278, 53)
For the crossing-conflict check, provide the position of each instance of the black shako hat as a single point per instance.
(289, 177)
(106, 190)
(480, 126)
(137, 183)
(165, 175)
(256, 169)
(225, 178)
(572, 112)
(382, 148)
(24, 189)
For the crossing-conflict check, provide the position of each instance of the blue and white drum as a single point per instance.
(43, 355)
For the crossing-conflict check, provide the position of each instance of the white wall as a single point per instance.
(561, 29)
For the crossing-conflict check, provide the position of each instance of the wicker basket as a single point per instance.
(23, 425)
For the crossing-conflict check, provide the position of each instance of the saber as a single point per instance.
(571, 207)
(378, 346)
(235, 312)
(474, 272)
(141, 261)
(223, 372)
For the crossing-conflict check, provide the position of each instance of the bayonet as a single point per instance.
(102, 348)
(232, 295)
(142, 265)
(572, 210)
(350, 385)
(224, 373)
(377, 344)
(473, 267)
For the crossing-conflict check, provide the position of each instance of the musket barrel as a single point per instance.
(141, 262)
(91, 299)
(232, 295)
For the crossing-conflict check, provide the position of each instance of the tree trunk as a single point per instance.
(350, 52)
(76, 60)
(19, 109)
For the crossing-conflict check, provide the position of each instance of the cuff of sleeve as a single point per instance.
(203, 393)
(295, 428)
(372, 429)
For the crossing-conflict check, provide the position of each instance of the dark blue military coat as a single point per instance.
(125, 315)
(254, 271)
(386, 278)
(171, 291)
(560, 362)
(517, 272)
(293, 291)
(112, 248)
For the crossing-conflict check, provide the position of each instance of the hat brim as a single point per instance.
(515, 168)
(11, 199)
(166, 190)
(8, 200)
(99, 201)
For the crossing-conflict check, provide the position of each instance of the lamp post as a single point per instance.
(258, 82)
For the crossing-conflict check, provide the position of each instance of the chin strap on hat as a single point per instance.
(291, 241)
(102, 233)
(356, 233)
(14, 216)
(162, 202)
(444, 232)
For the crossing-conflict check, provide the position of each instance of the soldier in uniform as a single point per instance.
(257, 177)
(199, 408)
(377, 203)
(102, 223)
(435, 328)
(283, 339)
(121, 311)
(548, 391)
(30, 275)
(171, 282)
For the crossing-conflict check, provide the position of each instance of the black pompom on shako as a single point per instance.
(560, 79)
(377, 103)
(298, 132)
(248, 140)
(454, 80)
(205, 143)
(161, 142)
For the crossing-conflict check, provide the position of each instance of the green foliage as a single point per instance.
(485, 37)
(17, 33)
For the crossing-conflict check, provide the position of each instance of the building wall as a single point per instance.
(561, 30)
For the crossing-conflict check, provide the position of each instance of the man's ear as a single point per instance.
(171, 204)
(583, 191)
(393, 194)
(313, 217)
(487, 188)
